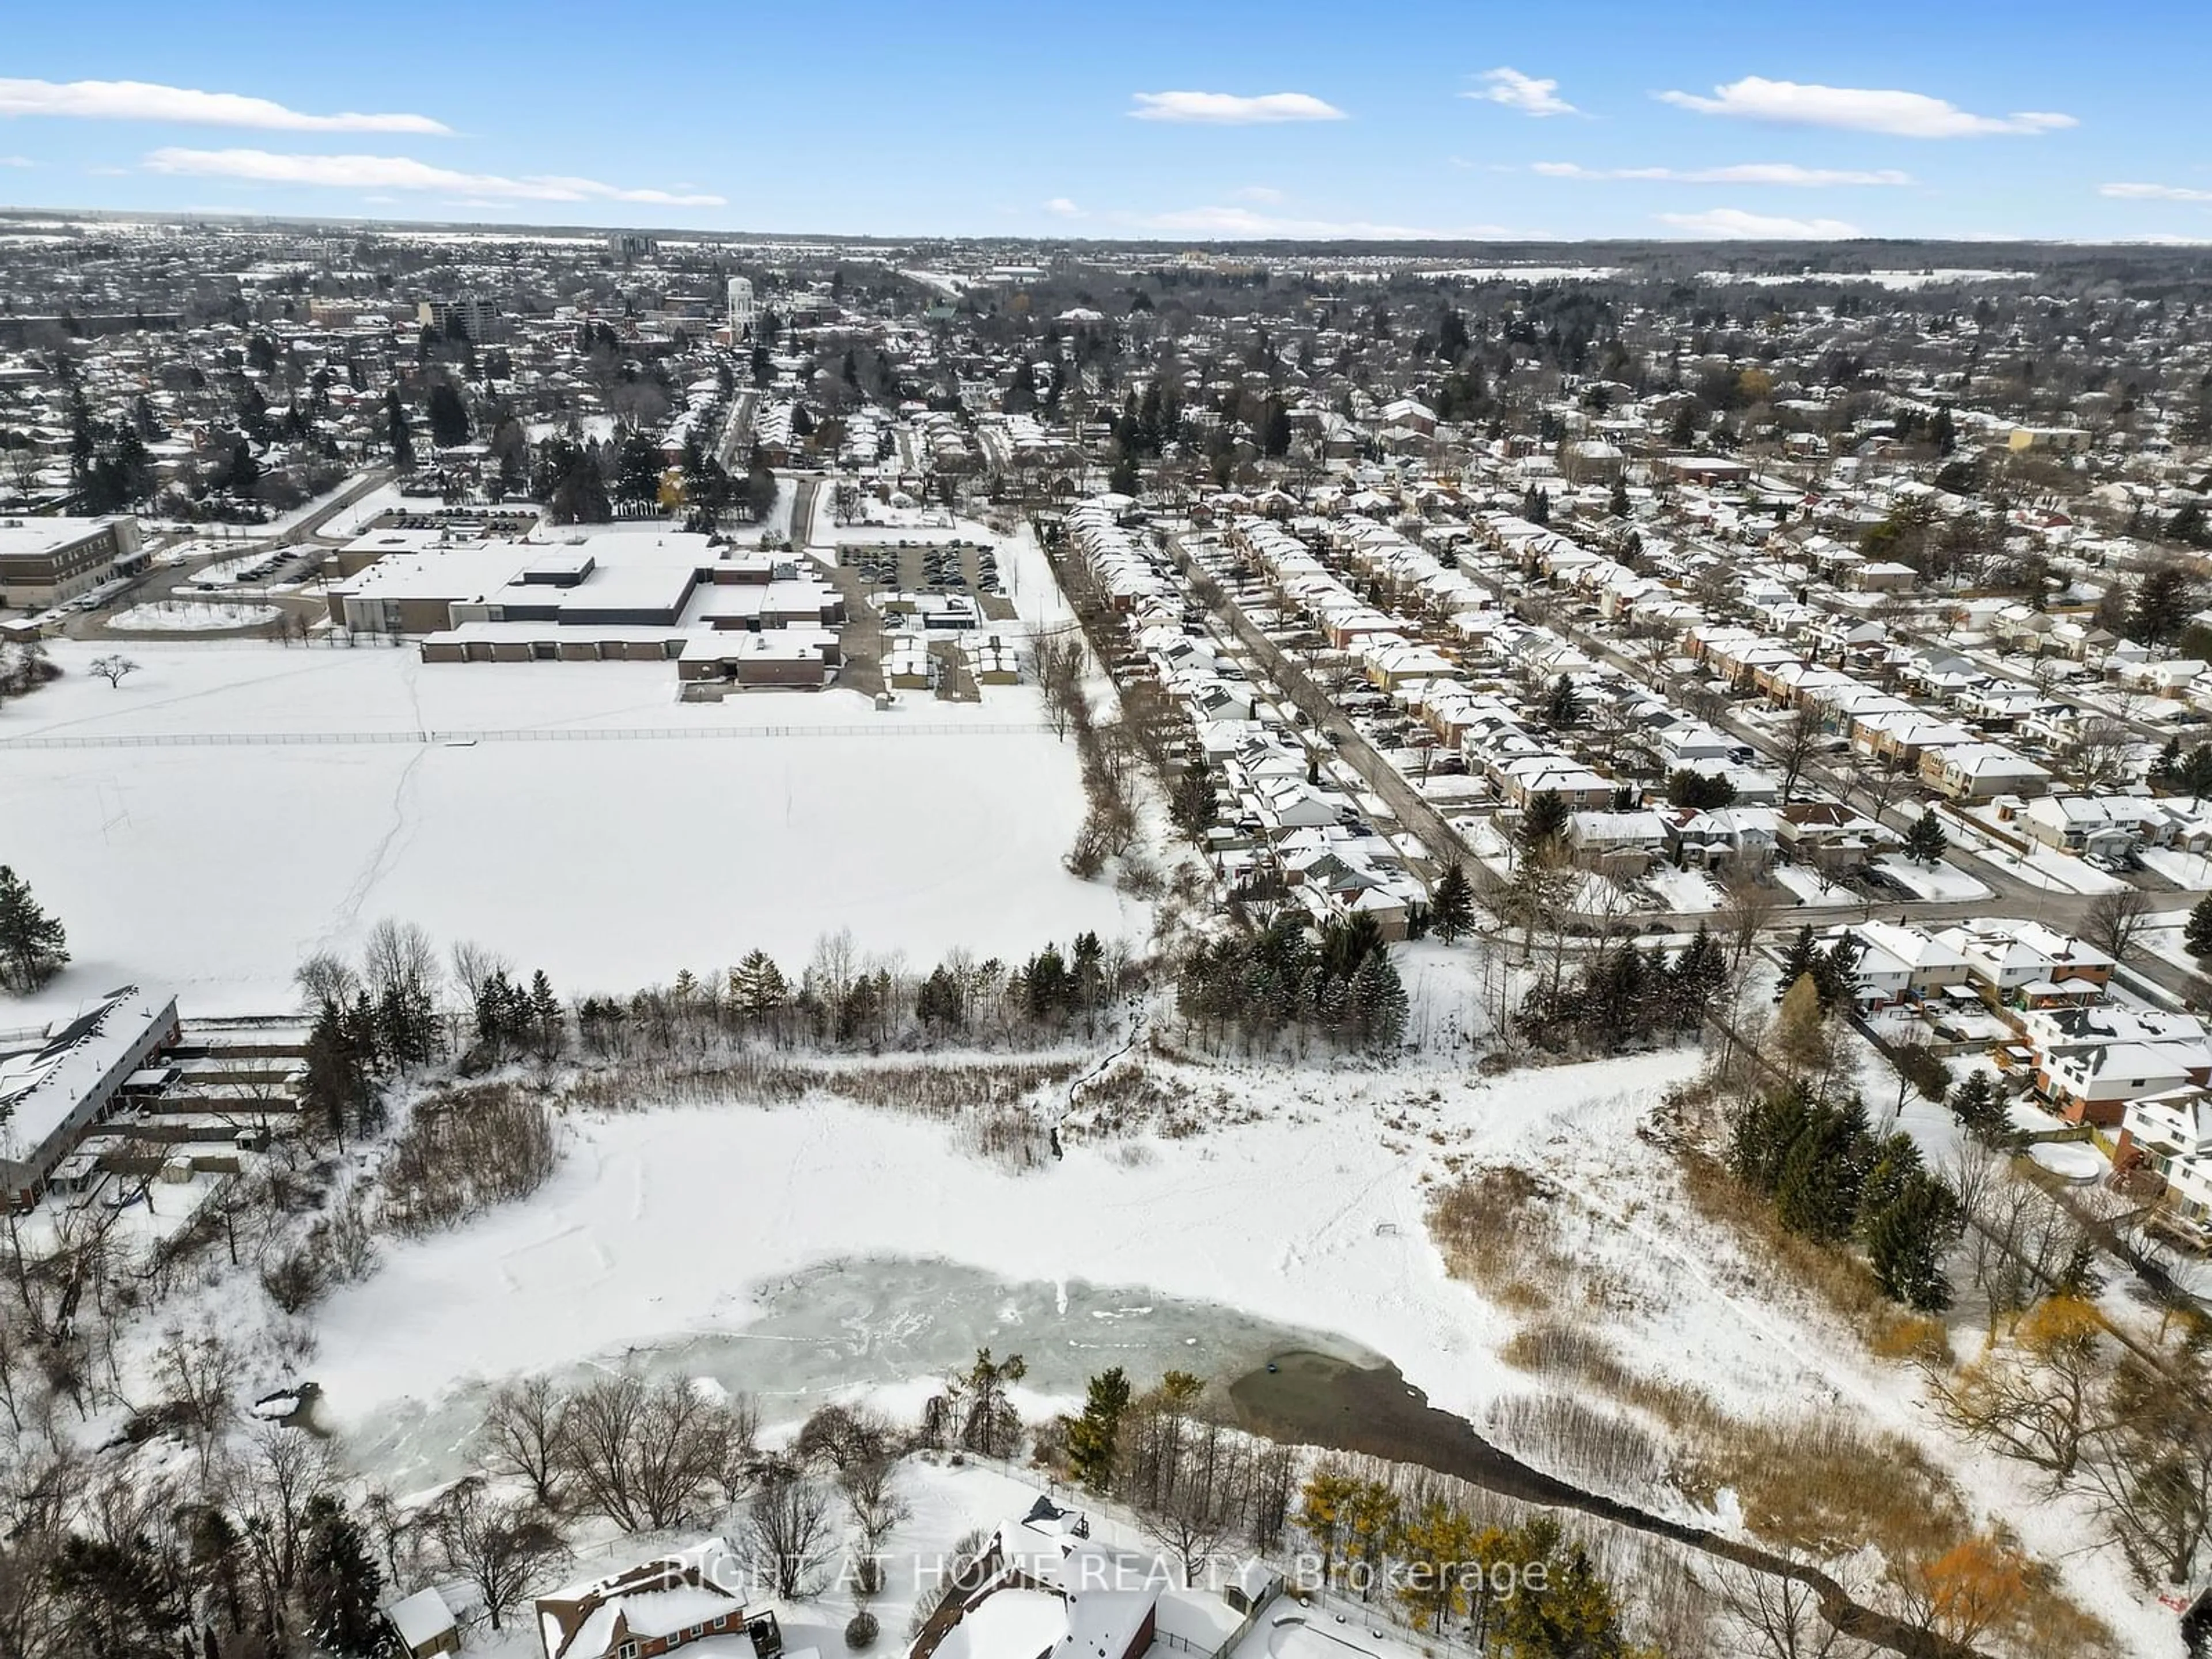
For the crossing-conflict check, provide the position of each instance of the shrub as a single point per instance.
(860, 1629)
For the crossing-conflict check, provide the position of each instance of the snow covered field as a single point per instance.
(703, 830)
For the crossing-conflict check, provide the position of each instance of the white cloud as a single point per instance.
(1729, 223)
(1228, 109)
(1747, 172)
(1859, 109)
(404, 172)
(144, 100)
(1243, 224)
(2155, 193)
(1060, 208)
(1262, 193)
(17, 161)
(1525, 93)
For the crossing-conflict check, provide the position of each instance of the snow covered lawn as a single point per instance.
(191, 616)
(2189, 870)
(1684, 892)
(1945, 881)
(1805, 883)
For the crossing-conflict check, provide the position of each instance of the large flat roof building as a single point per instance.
(46, 561)
(56, 1084)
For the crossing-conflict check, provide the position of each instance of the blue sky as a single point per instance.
(1575, 118)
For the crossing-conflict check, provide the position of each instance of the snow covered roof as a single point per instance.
(43, 1083)
(421, 1618)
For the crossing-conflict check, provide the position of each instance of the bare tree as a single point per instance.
(1059, 657)
(474, 965)
(1771, 1616)
(325, 980)
(502, 1549)
(1797, 743)
(113, 668)
(845, 1436)
(2114, 921)
(789, 1535)
(526, 1425)
(282, 1471)
(2102, 753)
(873, 1500)
(1746, 912)
(399, 957)
(202, 1374)
(646, 1457)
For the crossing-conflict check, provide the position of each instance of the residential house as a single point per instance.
(1981, 772)
(1721, 837)
(1044, 1589)
(2091, 1062)
(2023, 965)
(1616, 843)
(1911, 961)
(2169, 1135)
(689, 1600)
(1825, 836)
(2094, 826)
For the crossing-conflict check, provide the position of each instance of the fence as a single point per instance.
(556, 734)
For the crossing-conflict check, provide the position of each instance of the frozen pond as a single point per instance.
(885, 1326)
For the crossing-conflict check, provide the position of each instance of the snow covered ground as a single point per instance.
(1685, 891)
(1804, 882)
(2189, 870)
(1943, 881)
(613, 864)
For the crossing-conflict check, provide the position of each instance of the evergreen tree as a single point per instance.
(1926, 841)
(1818, 1191)
(1093, 1437)
(2165, 595)
(549, 1027)
(449, 416)
(1695, 979)
(2194, 773)
(1700, 790)
(1907, 1238)
(1836, 971)
(637, 475)
(1563, 705)
(1797, 961)
(1544, 826)
(1620, 504)
(757, 986)
(1976, 1104)
(339, 1581)
(33, 947)
(1192, 807)
(395, 422)
(2197, 935)
(1451, 907)
(1379, 1005)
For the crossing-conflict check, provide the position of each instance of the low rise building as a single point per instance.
(56, 1083)
(49, 561)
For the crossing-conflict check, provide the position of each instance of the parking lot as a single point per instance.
(954, 566)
